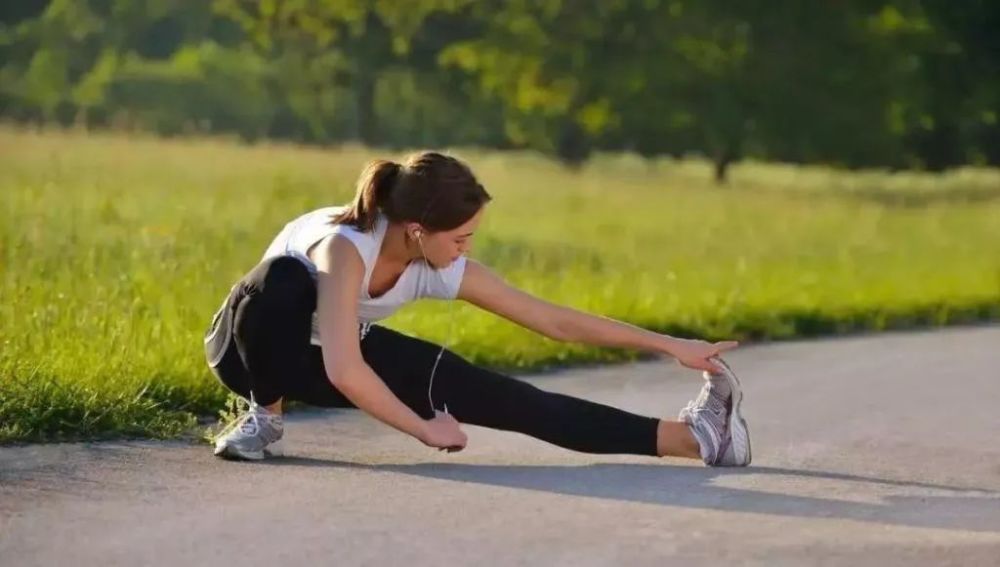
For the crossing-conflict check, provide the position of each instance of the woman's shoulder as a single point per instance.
(322, 219)
(367, 243)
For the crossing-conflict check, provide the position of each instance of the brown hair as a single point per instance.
(438, 191)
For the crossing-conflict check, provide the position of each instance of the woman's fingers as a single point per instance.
(705, 364)
(713, 364)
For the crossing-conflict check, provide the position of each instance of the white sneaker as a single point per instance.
(715, 420)
(706, 416)
(736, 447)
(252, 435)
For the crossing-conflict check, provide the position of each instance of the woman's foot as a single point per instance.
(252, 435)
(716, 422)
(736, 447)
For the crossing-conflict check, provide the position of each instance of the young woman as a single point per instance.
(299, 326)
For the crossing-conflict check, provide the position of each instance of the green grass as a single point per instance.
(115, 251)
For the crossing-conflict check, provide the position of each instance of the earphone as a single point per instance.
(418, 234)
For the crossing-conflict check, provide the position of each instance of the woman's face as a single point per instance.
(444, 247)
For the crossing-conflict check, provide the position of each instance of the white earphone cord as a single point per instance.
(451, 326)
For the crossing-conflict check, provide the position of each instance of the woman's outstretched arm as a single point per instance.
(485, 289)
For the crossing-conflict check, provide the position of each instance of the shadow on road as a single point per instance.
(897, 502)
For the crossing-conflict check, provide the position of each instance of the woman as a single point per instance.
(299, 326)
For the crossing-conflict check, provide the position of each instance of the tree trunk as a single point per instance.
(572, 145)
(721, 163)
(365, 108)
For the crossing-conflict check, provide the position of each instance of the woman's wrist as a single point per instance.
(669, 345)
(420, 431)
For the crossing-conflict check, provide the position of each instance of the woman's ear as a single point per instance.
(415, 231)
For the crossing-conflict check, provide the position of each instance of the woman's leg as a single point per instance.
(483, 397)
(272, 326)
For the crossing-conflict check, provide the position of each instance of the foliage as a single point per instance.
(893, 83)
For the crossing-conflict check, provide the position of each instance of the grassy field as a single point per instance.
(115, 251)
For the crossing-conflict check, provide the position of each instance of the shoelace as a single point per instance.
(705, 399)
(249, 422)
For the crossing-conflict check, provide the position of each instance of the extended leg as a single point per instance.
(480, 396)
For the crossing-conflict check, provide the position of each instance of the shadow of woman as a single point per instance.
(886, 501)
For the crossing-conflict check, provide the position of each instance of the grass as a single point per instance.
(116, 249)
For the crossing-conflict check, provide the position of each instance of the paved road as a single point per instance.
(867, 449)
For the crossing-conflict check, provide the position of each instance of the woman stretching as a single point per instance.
(299, 326)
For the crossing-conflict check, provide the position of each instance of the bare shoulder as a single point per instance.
(336, 250)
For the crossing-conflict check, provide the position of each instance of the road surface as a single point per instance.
(867, 449)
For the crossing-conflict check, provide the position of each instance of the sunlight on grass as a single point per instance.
(116, 250)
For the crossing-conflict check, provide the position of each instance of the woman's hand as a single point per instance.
(695, 353)
(443, 432)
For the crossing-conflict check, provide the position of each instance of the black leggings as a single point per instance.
(259, 340)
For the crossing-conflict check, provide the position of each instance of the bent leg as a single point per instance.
(272, 325)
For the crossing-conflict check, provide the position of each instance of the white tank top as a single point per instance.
(418, 280)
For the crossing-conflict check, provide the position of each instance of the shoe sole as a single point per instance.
(231, 452)
(739, 433)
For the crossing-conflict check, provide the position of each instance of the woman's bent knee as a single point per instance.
(280, 277)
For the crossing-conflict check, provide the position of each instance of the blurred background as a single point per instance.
(718, 170)
(867, 83)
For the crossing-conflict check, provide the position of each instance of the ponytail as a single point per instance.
(371, 193)
(436, 190)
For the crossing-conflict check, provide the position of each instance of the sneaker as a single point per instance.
(706, 416)
(252, 435)
(715, 420)
(736, 446)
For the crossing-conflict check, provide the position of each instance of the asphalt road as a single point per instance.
(867, 450)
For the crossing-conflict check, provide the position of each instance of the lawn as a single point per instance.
(116, 249)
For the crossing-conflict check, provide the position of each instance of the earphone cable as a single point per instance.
(451, 329)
